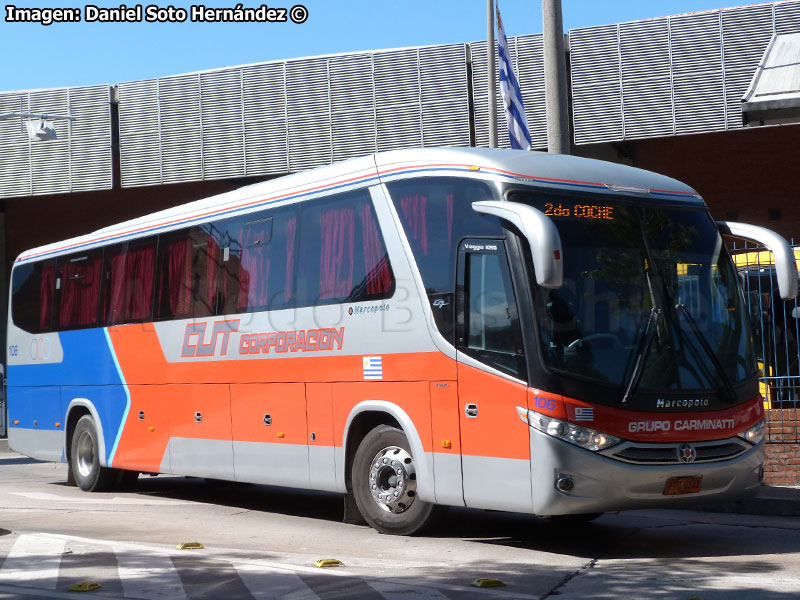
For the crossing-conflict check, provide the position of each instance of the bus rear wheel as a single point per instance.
(84, 461)
(385, 484)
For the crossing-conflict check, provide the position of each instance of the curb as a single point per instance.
(775, 501)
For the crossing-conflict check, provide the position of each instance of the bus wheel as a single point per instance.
(385, 484)
(85, 459)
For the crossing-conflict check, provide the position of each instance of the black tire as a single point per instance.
(374, 479)
(84, 459)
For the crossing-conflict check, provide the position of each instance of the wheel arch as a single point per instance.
(367, 415)
(78, 407)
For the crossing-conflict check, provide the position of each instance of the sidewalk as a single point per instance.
(768, 500)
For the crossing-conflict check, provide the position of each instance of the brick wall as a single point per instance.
(782, 463)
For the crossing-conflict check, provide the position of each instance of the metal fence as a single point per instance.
(776, 331)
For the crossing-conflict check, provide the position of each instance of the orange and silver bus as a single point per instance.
(493, 329)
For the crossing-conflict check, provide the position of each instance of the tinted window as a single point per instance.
(78, 283)
(342, 254)
(32, 294)
(187, 273)
(129, 273)
(258, 260)
(436, 213)
(489, 323)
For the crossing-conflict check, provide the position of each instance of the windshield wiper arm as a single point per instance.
(726, 380)
(641, 353)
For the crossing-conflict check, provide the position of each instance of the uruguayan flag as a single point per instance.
(518, 133)
(584, 414)
(373, 367)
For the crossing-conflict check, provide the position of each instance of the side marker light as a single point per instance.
(447, 444)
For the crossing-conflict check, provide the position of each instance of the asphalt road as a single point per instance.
(261, 542)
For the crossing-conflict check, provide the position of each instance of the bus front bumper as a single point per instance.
(601, 484)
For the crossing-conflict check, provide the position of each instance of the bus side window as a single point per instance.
(128, 277)
(78, 287)
(258, 257)
(187, 273)
(342, 254)
(33, 295)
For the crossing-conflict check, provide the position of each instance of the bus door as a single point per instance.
(495, 443)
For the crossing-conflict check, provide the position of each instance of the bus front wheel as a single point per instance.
(89, 475)
(385, 484)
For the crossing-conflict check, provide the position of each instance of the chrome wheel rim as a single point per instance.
(393, 479)
(84, 454)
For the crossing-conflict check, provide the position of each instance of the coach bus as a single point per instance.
(414, 329)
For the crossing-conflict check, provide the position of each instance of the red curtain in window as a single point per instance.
(178, 285)
(131, 285)
(291, 229)
(254, 266)
(376, 263)
(80, 293)
(47, 289)
(336, 253)
(416, 223)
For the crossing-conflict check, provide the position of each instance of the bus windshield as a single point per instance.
(649, 302)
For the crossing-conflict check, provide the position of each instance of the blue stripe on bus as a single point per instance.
(113, 451)
(42, 392)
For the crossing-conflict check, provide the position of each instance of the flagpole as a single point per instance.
(492, 75)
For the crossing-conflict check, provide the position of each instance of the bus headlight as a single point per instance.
(755, 434)
(584, 437)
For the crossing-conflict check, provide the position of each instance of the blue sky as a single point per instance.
(69, 54)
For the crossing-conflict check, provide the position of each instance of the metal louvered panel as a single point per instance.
(353, 134)
(221, 98)
(399, 127)
(596, 85)
(50, 166)
(80, 159)
(597, 113)
(446, 123)
(699, 103)
(221, 113)
(396, 78)
(445, 108)
(696, 43)
(594, 55)
(139, 137)
(480, 95)
(787, 17)
(644, 49)
(307, 102)
(352, 105)
(746, 31)
(530, 73)
(264, 93)
(736, 84)
(352, 88)
(648, 108)
(181, 131)
(90, 142)
(266, 150)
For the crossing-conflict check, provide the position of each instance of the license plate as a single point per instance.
(677, 486)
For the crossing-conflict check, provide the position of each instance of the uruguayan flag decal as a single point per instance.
(583, 414)
(373, 367)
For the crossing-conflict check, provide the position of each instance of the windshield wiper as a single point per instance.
(641, 352)
(726, 380)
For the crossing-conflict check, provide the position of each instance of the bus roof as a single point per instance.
(537, 168)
